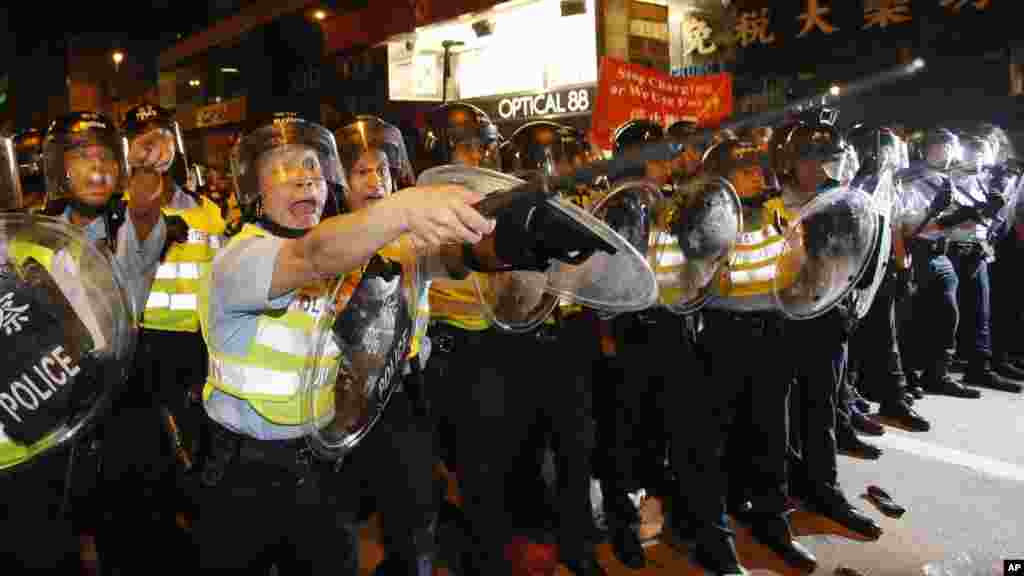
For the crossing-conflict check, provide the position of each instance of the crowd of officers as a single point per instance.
(727, 411)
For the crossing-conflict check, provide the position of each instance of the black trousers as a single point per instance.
(39, 535)
(493, 389)
(875, 347)
(266, 503)
(750, 364)
(655, 353)
(1007, 286)
(141, 483)
(392, 472)
(822, 346)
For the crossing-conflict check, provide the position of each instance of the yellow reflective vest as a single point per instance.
(173, 300)
(269, 375)
(456, 302)
(754, 265)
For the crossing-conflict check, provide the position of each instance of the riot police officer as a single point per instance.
(264, 498)
(972, 253)
(632, 424)
(741, 319)
(810, 159)
(394, 465)
(147, 450)
(86, 171)
(927, 212)
(567, 341)
(876, 336)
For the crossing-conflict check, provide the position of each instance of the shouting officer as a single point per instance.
(258, 307)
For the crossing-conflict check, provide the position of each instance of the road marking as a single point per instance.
(988, 466)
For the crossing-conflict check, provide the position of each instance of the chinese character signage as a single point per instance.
(627, 91)
(796, 23)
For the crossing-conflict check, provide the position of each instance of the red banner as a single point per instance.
(628, 91)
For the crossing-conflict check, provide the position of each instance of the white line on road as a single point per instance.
(988, 466)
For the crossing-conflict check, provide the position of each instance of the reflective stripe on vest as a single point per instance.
(753, 267)
(456, 302)
(421, 322)
(269, 377)
(173, 302)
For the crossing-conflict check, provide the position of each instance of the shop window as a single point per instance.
(515, 47)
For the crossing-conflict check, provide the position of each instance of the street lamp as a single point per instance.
(118, 57)
(320, 15)
(834, 90)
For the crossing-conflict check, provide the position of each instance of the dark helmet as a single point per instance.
(683, 129)
(635, 133)
(366, 132)
(457, 123)
(543, 146)
(147, 118)
(729, 155)
(78, 130)
(275, 132)
(28, 148)
(810, 141)
(875, 147)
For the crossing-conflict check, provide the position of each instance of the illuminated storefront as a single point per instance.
(519, 61)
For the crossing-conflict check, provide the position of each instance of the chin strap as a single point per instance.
(282, 231)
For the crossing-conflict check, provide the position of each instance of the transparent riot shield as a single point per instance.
(68, 333)
(696, 232)
(361, 345)
(10, 183)
(619, 282)
(882, 197)
(827, 250)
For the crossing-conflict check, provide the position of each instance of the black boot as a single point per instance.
(904, 416)
(622, 517)
(938, 381)
(581, 563)
(1009, 370)
(773, 531)
(980, 373)
(848, 444)
(832, 504)
(716, 553)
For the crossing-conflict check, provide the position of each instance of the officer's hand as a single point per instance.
(443, 214)
(153, 150)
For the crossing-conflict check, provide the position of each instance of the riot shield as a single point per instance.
(697, 230)
(10, 183)
(362, 342)
(826, 253)
(619, 282)
(68, 330)
(882, 195)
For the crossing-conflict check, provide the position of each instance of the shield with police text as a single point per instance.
(66, 326)
(362, 347)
